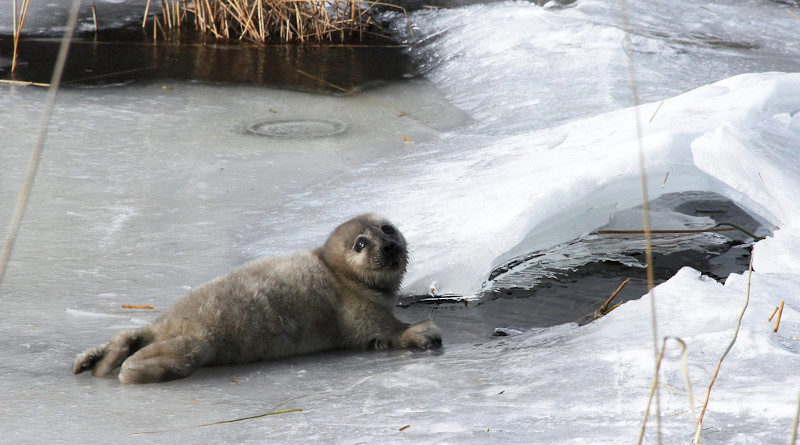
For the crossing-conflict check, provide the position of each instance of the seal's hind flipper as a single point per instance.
(170, 359)
(107, 357)
(88, 358)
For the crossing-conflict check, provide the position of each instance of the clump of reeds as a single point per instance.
(263, 21)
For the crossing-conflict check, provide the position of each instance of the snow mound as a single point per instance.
(492, 200)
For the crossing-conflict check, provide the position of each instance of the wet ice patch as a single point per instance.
(297, 128)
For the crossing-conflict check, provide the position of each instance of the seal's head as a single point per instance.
(370, 250)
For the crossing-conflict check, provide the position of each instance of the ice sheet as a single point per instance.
(47, 17)
(563, 384)
(145, 191)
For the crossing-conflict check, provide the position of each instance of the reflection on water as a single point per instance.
(333, 68)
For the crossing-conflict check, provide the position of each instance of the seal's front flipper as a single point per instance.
(424, 335)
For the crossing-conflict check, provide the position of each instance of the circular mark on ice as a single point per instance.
(297, 129)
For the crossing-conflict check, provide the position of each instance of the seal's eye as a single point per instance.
(360, 244)
(387, 229)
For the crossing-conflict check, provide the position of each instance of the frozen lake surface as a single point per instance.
(518, 139)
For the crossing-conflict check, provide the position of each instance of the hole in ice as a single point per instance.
(563, 283)
(297, 129)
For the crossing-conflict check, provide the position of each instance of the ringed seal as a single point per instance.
(338, 296)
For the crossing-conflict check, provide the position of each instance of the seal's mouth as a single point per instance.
(391, 262)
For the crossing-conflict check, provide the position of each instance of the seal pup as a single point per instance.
(338, 296)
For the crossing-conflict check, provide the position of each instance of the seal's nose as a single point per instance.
(392, 247)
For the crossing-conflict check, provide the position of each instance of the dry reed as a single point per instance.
(19, 22)
(23, 83)
(604, 308)
(773, 314)
(94, 15)
(222, 422)
(716, 228)
(778, 320)
(687, 382)
(263, 21)
(699, 425)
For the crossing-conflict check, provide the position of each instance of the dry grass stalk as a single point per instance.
(19, 22)
(222, 422)
(687, 382)
(773, 313)
(699, 426)
(24, 83)
(94, 15)
(716, 228)
(146, 10)
(262, 21)
(602, 311)
(778, 320)
(656, 112)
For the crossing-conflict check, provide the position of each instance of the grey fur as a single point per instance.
(334, 297)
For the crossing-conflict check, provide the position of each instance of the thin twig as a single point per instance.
(222, 422)
(715, 228)
(19, 23)
(146, 10)
(14, 34)
(94, 15)
(602, 310)
(699, 426)
(325, 82)
(773, 313)
(778, 320)
(103, 76)
(24, 83)
(653, 389)
(687, 382)
(656, 112)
